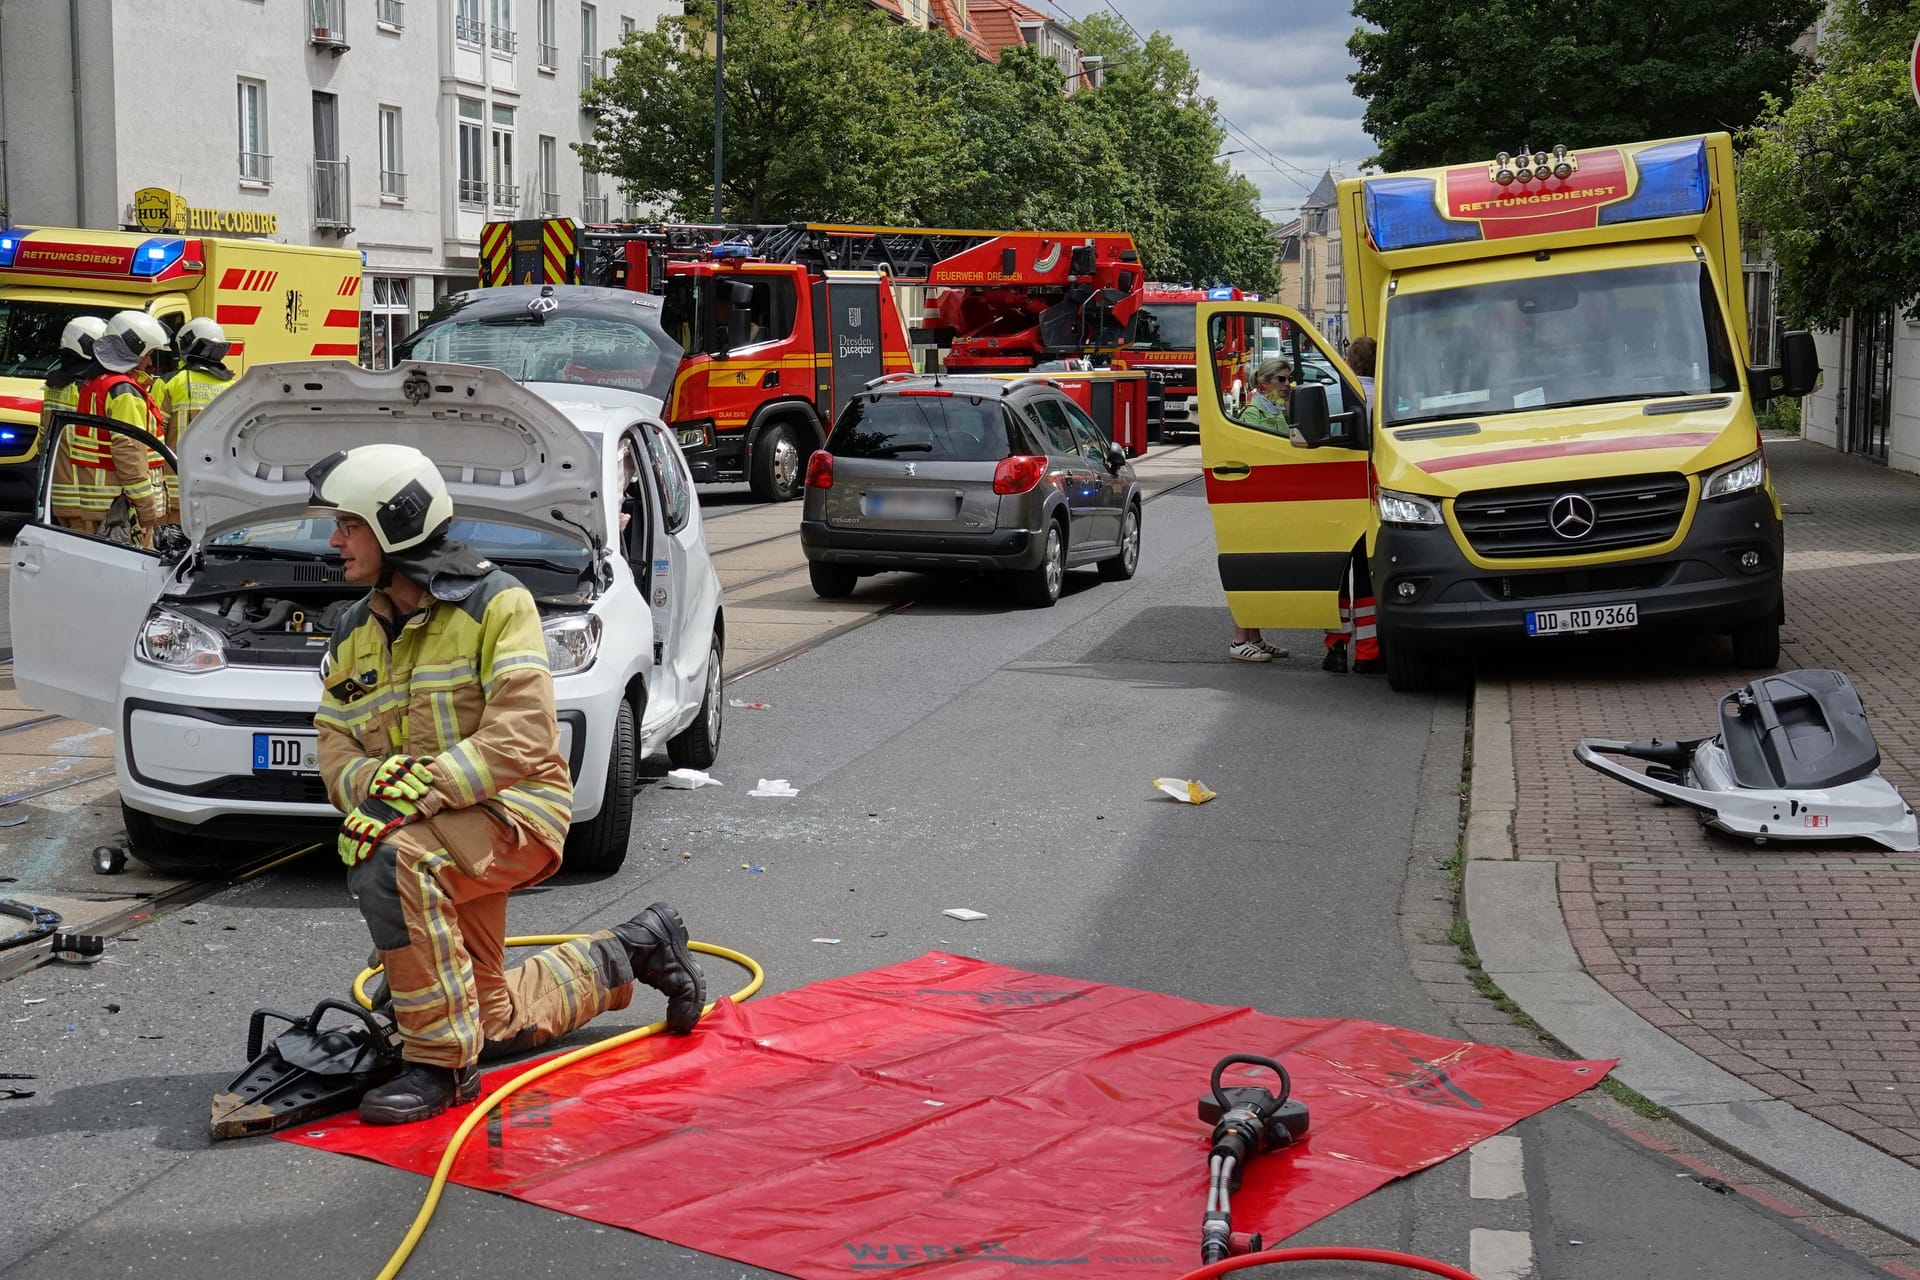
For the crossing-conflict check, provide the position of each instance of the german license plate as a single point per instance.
(910, 505)
(1594, 617)
(285, 752)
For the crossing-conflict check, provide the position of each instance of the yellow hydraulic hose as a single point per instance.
(494, 1099)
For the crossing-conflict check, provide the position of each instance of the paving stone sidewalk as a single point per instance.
(1794, 967)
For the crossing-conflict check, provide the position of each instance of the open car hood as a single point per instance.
(502, 449)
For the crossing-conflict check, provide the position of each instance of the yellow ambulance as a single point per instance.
(1560, 438)
(275, 301)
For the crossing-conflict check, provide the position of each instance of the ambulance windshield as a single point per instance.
(30, 335)
(1630, 333)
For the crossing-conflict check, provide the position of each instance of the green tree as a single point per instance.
(1452, 81)
(1833, 179)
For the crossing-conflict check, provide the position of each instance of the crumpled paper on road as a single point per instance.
(1184, 791)
(774, 787)
(691, 779)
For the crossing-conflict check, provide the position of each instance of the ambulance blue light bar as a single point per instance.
(154, 256)
(1673, 182)
(1404, 213)
(10, 243)
(1220, 294)
(721, 251)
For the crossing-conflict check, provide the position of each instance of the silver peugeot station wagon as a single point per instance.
(930, 473)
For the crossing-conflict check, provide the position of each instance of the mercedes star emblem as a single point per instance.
(1571, 516)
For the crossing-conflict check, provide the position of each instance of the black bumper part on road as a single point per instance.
(18, 487)
(893, 549)
(1699, 586)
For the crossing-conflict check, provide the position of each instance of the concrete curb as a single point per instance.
(1520, 933)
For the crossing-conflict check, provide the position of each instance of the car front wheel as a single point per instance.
(696, 746)
(600, 843)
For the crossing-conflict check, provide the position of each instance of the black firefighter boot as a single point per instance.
(656, 942)
(420, 1092)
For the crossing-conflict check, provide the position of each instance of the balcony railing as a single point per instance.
(549, 204)
(393, 184)
(256, 166)
(549, 56)
(505, 195)
(473, 193)
(328, 21)
(469, 30)
(592, 71)
(392, 13)
(593, 209)
(330, 193)
(504, 40)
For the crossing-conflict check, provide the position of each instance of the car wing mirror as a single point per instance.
(1309, 416)
(1116, 456)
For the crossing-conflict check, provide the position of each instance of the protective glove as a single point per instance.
(401, 778)
(370, 823)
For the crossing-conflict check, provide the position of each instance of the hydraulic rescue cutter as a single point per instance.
(1794, 760)
(306, 1072)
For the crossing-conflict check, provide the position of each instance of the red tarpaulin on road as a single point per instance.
(948, 1108)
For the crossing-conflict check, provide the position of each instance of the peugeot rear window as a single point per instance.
(937, 427)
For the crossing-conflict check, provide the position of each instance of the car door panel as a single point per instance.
(1093, 448)
(680, 629)
(1067, 469)
(1285, 516)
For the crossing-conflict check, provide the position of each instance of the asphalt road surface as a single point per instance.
(960, 753)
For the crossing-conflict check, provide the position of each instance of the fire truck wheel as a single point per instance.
(778, 467)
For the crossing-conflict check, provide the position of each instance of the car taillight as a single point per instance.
(820, 470)
(1018, 473)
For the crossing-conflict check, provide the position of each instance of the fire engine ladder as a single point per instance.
(905, 253)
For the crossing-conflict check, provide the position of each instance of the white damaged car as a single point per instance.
(205, 659)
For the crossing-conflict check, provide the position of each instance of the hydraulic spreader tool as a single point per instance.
(1247, 1120)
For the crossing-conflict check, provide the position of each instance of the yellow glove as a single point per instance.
(373, 821)
(401, 778)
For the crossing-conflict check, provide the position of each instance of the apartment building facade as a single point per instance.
(396, 127)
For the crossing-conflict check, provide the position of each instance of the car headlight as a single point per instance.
(180, 643)
(1736, 477)
(1408, 509)
(693, 435)
(573, 642)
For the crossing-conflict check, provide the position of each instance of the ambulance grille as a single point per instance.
(1626, 511)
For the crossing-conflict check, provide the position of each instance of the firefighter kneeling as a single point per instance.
(438, 741)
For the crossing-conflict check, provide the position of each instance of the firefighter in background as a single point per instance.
(439, 742)
(93, 467)
(200, 351)
(75, 365)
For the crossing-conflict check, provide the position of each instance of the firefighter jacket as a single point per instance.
(92, 466)
(464, 681)
(187, 393)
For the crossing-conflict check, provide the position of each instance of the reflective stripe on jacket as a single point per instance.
(464, 682)
(187, 393)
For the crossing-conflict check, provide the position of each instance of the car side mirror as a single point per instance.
(1799, 363)
(1309, 414)
(722, 340)
(1116, 456)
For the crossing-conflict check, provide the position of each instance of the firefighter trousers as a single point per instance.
(434, 895)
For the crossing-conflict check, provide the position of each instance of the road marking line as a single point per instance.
(1493, 1169)
(1499, 1255)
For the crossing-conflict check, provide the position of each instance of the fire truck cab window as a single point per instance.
(696, 307)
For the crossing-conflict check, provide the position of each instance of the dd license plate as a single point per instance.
(910, 505)
(1597, 617)
(285, 752)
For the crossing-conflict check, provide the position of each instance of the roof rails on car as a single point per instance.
(885, 378)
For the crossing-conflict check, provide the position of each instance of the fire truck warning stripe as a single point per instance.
(1569, 449)
(1291, 482)
(336, 348)
(342, 318)
(227, 313)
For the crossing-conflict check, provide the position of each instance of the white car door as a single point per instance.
(681, 596)
(75, 603)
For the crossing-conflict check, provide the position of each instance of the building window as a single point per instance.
(592, 66)
(502, 35)
(393, 156)
(549, 38)
(549, 177)
(467, 25)
(392, 14)
(505, 192)
(473, 155)
(626, 27)
(255, 164)
(593, 205)
(385, 321)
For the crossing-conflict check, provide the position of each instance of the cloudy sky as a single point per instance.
(1278, 71)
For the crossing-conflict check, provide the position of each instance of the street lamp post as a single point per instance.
(719, 101)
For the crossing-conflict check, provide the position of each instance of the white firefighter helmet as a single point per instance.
(80, 335)
(130, 336)
(393, 487)
(201, 338)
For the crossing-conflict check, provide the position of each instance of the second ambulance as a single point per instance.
(1561, 437)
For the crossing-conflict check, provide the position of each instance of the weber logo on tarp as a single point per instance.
(872, 1255)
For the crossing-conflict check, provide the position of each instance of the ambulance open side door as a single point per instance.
(76, 601)
(1287, 514)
